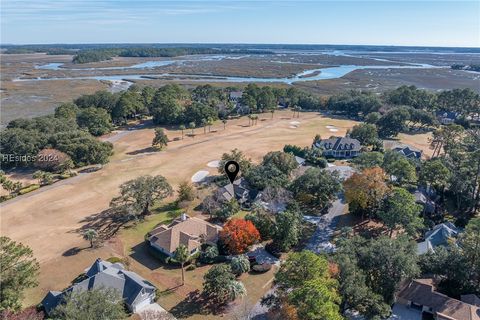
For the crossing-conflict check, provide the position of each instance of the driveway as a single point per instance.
(326, 225)
(154, 311)
(401, 312)
(258, 311)
(319, 242)
(262, 256)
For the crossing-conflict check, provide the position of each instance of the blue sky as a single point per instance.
(386, 22)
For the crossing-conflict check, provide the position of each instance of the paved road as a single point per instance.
(326, 225)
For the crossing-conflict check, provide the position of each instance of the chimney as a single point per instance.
(183, 217)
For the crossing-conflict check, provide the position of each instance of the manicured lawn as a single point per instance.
(167, 278)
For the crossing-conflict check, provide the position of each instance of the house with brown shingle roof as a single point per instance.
(420, 294)
(189, 231)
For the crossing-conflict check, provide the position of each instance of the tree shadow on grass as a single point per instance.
(141, 254)
(193, 304)
(106, 223)
(72, 251)
(140, 151)
(370, 229)
(147, 256)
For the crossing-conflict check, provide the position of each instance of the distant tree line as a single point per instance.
(406, 108)
(39, 49)
(73, 127)
(471, 67)
(101, 54)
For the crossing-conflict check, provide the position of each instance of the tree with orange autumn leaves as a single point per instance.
(365, 191)
(238, 235)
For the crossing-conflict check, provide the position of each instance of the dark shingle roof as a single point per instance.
(339, 143)
(447, 114)
(409, 152)
(103, 274)
(438, 236)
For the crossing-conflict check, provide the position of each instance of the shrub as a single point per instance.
(6, 197)
(185, 192)
(209, 254)
(28, 189)
(115, 260)
(191, 267)
(240, 265)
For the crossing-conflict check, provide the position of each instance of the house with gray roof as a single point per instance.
(339, 147)
(409, 152)
(240, 190)
(440, 235)
(447, 117)
(137, 292)
(423, 198)
(235, 96)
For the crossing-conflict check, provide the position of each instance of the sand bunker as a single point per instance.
(214, 164)
(199, 176)
(331, 128)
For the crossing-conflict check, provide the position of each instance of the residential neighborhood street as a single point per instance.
(326, 224)
(319, 242)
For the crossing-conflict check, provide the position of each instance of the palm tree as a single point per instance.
(224, 123)
(8, 185)
(90, 235)
(209, 124)
(17, 186)
(181, 255)
(254, 118)
(298, 111)
(192, 126)
(240, 265)
(236, 289)
(182, 127)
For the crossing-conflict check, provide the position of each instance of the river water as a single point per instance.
(306, 75)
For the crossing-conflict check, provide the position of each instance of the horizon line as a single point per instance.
(236, 43)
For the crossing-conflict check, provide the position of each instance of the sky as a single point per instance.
(381, 22)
